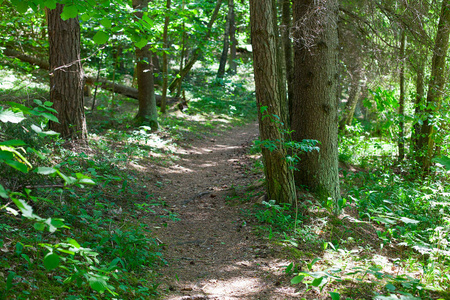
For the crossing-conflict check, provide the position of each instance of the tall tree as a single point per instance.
(280, 183)
(66, 75)
(286, 23)
(401, 136)
(147, 112)
(435, 88)
(314, 111)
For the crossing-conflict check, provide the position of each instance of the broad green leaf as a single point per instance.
(69, 11)
(36, 128)
(51, 261)
(10, 116)
(19, 248)
(87, 181)
(50, 117)
(73, 243)
(51, 4)
(106, 23)
(27, 211)
(20, 5)
(141, 44)
(3, 192)
(45, 170)
(17, 165)
(58, 223)
(12, 143)
(297, 279)
(335, 296)
(9, 280)
(6, 155)
(316, 282)
(26, 257)
(443, 160)
(101, 37)
(39, 226)
(390, 287)
(97, 284)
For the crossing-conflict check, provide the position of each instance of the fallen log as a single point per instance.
(101, 82)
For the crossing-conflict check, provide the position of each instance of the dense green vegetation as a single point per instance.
(71, 207)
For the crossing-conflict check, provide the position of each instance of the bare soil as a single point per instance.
(212, 252)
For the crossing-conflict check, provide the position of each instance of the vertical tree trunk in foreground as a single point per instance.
(280, 183)
(147, 112)
(314, 113)
(435, 88)
(66, 78)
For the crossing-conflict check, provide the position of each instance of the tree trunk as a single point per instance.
(435, 88)
(280, 184)
(401, 112)
(147, 112)
(177, 81)
(314, 113)
(353, 97)
(226, 46)
(233, 42)
(165, 60)
(286, 24)
(418, 103)
(66, 75)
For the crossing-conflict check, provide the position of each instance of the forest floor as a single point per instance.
(211, 251)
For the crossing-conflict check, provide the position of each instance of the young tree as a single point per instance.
(233, 42)
(144, 68)
(435, 88)
(66, 75)
(226, 46)
(266, 64)
(165, 59)
(314, 111)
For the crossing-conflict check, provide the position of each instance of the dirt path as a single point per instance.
(211, 251)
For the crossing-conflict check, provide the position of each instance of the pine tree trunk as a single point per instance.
(66, 79)
(435, 88)
(286, 23)
(147, 112)
(314, 113)
(280, 184)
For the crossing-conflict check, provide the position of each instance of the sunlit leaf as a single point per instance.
(335, 296)
(69, 11)
(3, 192)
(51, 261)
(10, 116)
(45, 170)
(297, 279)
(409, 221)
(101, 37)
(106, 23)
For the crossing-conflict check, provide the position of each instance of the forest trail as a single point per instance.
(211, 251)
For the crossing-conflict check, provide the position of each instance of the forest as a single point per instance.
(225, 149)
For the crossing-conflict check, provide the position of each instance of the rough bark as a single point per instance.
(418, 102)
(280, 184)
(165, 60)
(147, 112)
(233, 42)
(66, 75)
(197, 52)
(435, 88)
(314, 113)
(286, 24)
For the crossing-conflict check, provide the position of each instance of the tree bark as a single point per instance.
(233, 42)
(165, 60)
(314, 113)
(418, 103)
(66, 75)
(147, 112)
(435, 88)
(286, 23)
(177, 81)
(279, 177)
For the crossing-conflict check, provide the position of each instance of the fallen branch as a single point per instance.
(102, 82)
